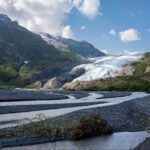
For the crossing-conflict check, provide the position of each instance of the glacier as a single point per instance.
(105, 67)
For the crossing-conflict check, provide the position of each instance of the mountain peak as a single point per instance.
(83, 48)
(4, 17)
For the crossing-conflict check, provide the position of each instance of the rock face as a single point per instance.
(53, 83)
(81, 48)
(58, 82)
(147, 69)
(126, 71)
(79, 85)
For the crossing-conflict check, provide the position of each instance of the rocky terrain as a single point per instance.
(124, 111)
(144, 145)
(81, 48)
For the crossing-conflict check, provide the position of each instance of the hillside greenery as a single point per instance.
(25, 57)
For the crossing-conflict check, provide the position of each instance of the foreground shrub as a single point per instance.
(90, 126)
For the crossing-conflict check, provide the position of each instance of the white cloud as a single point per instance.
(112, 32)
(128, 52)
(46, 15)
(67, 32)
(89, 8)
(148, 30)
(104, 51)
(82, 27)
(129, 35)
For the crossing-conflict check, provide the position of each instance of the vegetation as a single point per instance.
(67, 129)
(90, 126)
(25, 57)
(148, 129)
(124, 83)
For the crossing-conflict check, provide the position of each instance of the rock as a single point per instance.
(58, 82)
(147, 69)
(53, 83)
(126, 71)
(79, 85)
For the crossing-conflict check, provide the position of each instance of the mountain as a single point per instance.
(25, 57)
(134, 78)
(82, 48)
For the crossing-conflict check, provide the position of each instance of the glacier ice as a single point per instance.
(105, 67)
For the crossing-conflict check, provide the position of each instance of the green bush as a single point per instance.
(93, 125)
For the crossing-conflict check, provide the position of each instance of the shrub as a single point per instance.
(90, 126)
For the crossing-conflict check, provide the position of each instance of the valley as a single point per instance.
(59, 92)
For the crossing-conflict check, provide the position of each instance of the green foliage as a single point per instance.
(140, 67)
(90, 126)
(148, 129)
(125, 83)
(7, 72)
(34, 85)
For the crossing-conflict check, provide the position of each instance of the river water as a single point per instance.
(116, 141)
(62, 111)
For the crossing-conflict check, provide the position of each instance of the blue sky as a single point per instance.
(110, 25)
(119, 15)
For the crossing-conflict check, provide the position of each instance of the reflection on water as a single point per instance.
(117, 141)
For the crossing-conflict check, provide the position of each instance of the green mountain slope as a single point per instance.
(25, 57)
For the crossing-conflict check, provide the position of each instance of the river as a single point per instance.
(116, 141)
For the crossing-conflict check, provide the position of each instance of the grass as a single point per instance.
(34, 85)
(126, 83)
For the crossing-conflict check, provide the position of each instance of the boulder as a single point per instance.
(53, 83)
(79, 85)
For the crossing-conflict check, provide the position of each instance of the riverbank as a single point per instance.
(123, 111)
(144, 145)
(116, 141)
